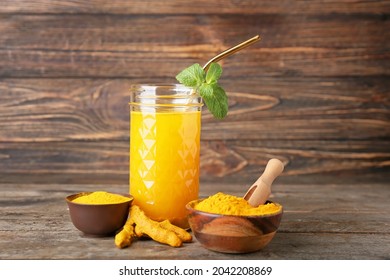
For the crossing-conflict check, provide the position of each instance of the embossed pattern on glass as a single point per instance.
(164, 162)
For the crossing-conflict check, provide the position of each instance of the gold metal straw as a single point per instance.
(232, 50)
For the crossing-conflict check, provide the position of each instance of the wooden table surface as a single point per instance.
(319, 222)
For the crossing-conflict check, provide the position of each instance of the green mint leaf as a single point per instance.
(215, 98)
(206, 84)
(206, 90)
(213, 73)
(192, 76)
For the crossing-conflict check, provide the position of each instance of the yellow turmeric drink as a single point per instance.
(164, 163)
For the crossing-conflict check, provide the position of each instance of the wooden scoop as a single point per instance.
(259, 192)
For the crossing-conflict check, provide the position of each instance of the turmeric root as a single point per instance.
(181, 233)
(138, 225)
(125, 237)
(144, 225)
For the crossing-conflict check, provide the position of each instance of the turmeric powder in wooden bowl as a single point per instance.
(229, 224)
(99, 213)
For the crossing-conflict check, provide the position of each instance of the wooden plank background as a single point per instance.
(315, 92)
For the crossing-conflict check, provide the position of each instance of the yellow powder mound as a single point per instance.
(226, 204)
(101, 197)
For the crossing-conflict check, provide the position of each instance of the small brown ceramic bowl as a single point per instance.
(98, 219)
(232, 234)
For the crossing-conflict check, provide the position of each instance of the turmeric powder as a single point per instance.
(101, 197)
(138, 224)
(226, 204)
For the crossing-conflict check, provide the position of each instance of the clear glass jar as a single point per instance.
(165, 123)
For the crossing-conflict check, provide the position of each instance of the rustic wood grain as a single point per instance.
(57, 64)
(42, 110)
(195, 35)
(112, 46)
(319, 222)
(198, 7)
(314, 92)
(78, 130)
(107, 161)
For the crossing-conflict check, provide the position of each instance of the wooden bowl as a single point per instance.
(232, 234)
(98, 219)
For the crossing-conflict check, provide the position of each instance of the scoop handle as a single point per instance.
(260, 191)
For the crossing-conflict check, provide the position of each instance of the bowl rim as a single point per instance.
(190, 208)
(71, 197)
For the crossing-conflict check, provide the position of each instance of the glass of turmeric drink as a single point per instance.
(165, 122)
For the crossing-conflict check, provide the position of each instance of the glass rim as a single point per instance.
(150, 88)
(160, 95)
(167, 105)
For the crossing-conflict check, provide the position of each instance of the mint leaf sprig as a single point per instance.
(206, 85)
